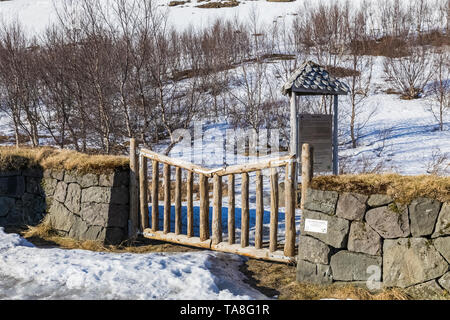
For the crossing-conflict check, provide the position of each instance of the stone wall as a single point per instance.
(22, 199)
(375, 240)
(81, 206)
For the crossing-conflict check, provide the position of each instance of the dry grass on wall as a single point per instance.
(12, 158)
(403, 189)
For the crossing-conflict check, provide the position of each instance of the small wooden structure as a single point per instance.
(312, 79)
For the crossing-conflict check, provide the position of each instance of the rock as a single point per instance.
(429, 290)
(60, 192)
(6, 205)
(79, 229)
(120, 195)
(73, 198)
(70, 176)
(57, 174)
(33, 185)
(411, 261)
(362, 238)
(13, 186)
(444, 281)
(313, 273)
(390, 221)
(61, 218)
(95, 233)
(49, 186)
(313, 250)
(321, 201)
(118, 216)
(337, 232)
(106, 180)
(443, 221)
(88, 180)
(116, 178)
(351, 206)
(94, 213)
(423, 213)
(442, 244)
(378, 200)
(351, 266)
(96, 195)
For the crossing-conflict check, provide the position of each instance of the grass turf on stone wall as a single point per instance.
(402, 189)
(12, 158)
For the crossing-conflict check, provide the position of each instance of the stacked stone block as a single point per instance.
(22, 199)
(373, 238)
(83, 206)
(88, 206)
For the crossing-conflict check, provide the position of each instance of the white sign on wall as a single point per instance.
(319, 226)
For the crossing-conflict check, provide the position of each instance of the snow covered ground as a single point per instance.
(401, 133)
(28, 272)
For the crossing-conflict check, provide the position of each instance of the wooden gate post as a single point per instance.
(143, 185)
(133, 219)
(307, 171)
(289, 204)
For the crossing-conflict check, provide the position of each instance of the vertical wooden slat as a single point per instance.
(143, 185)
(190, 203)
(217, 210)
(289, 244)
(231, 210)
(204, 208)
(155, 191)
(166, 177)
(259, 210)
(273, 209)
(245, 215)
(177, 200)
(133, 219)
(307, 171)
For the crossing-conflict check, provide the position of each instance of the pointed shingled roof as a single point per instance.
(312, 79)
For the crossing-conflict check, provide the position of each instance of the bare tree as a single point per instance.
(440, 87)
(411, 73)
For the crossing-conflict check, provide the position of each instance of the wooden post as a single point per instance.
(178, 223)
(294, 145)
(190, 203)
(307, 171)
(143, 185)
(335, 136)
(231, 210)
(259, 211)
(155, 191)
(245, 214)
(217, 210)
(289, 190)
(273, 209)
(133, 219)
(166, 177)
(204, 208)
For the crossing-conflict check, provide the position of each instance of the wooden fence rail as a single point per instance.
(215, 240)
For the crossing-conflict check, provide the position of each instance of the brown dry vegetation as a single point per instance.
(224, 4)
(12, 158)
(401, 188)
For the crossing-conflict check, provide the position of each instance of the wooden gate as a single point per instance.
(273, 250)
